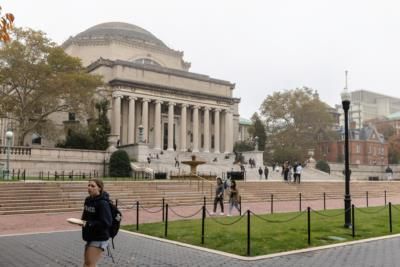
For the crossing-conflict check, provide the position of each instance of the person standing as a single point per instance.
(266, 172)
(233, 198)
(389, 173)
(299, 169)
(260, 172)
(219, 196)
(97, 220)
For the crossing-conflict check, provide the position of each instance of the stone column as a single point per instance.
(195, 129)
(157, 126)
(117, 115)
(206, 129)
(171, 126)
(216, 130)
(228, 131)
(131, 120)
(145, 119)
(183, 126)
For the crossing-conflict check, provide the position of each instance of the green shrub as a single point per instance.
(322, 165)
(120, 165)
(242, 146)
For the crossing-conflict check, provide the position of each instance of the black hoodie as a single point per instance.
(97, 214)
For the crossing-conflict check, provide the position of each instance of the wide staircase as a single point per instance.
(48, 197)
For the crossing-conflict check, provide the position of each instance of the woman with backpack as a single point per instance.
(97, 219)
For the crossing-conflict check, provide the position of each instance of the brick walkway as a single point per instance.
(65, 248)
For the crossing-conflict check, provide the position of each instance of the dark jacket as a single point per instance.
(219, 191)
(97, 214)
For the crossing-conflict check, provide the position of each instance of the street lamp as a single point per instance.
(9, 136)
(347, 197)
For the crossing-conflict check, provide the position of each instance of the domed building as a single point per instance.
(150, 87)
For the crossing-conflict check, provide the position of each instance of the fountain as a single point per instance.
(193, 164)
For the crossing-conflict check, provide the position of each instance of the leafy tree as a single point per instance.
(101, 127)
(243, 146)
(294, 121)
(258, 129)
(77, 140)
(6, 24)
(394, 149)
(38, 79)
(120, 164)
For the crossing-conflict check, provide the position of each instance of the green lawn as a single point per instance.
(282, 231)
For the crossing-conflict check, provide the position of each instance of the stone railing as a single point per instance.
(16, 150)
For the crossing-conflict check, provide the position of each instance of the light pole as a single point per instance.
(9, 136)
(347, 197)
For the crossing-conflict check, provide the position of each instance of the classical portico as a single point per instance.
(171, 124)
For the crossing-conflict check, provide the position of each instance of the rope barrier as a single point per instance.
(150, 211)
(326, 215)
(276, 221)
(370, 212)
(225, 224)
(183, 216)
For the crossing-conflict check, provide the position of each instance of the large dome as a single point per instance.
(120, 30)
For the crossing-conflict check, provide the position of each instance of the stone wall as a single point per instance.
(363, 172)
(35, 160)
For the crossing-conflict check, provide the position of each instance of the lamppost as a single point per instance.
(347, 197)
(9, 136)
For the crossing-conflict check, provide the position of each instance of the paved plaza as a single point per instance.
(65, 249)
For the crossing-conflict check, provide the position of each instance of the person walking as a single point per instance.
(233, 198)
(219, 196)
(97, 220)
(260, 172)
(266, 172)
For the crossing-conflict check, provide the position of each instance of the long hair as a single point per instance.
(99, 183)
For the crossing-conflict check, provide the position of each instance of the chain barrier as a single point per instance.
(326, 215)
(221, 223)
(126, 206)
(276, 221)
(396, 208)
(370, 212)
(183, 216)
(150, 211)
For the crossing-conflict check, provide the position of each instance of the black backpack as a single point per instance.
(116, 221)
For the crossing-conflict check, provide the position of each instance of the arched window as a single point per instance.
(146, 61)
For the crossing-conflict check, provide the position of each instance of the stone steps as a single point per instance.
(61, 197)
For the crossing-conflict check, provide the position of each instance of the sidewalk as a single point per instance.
(47, 222)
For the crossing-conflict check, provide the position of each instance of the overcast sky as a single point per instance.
(260, 45)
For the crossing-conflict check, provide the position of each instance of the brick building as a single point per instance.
(366, 146)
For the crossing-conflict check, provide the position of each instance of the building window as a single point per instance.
(36, 139)
(71, 116)
(212, 119)
(146, 61)
(358, 148)
(212, 141)
(202, 140)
